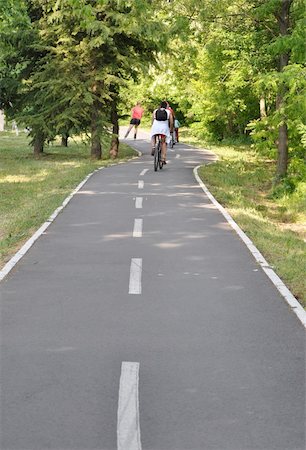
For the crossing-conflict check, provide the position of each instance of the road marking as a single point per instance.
(137, 232)
(143, 172)
(135, 276)
(25, 248)
(138, 202)
(140, 184)
(128, 428)
(177, 156)
(282, 288)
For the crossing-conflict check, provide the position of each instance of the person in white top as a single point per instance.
(162, 124)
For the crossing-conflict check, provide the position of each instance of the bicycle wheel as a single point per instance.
(160, 163)
(157, 151)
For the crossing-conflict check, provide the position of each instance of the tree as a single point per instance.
(82, 53)
(240, 66)
(17, 58)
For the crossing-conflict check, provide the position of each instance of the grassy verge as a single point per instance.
(241, 180)
(31, 189)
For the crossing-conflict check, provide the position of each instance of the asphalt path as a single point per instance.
(139, 319)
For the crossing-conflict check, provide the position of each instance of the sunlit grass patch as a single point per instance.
(283, 248)
(31, 189)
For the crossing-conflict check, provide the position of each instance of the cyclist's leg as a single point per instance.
(163, 148)
(153, 142)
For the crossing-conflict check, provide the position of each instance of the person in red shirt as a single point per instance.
(171, 110)
(137, 113)
(173, 120)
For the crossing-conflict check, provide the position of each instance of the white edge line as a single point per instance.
(278, 283)
(23, 250)
(128, 427)
(28, 244)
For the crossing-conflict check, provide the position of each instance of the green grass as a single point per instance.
(31, 189)
(241, 180)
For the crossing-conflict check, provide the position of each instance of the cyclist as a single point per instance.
(174, 119)
(162, 124)
(171, 110)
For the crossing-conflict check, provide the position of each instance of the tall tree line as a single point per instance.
(62, 63)
(231, 68)
(238, 68)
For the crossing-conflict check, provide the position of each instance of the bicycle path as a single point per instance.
(140, 320)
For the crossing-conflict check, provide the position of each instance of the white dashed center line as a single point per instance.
(135, 276)
(143, 172)
(140, 184)
(128, 428)
(137, 232)
(138, 202)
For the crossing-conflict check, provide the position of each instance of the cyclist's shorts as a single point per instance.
(135, 122)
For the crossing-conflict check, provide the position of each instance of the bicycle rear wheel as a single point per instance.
(156, 155)
(160, 163)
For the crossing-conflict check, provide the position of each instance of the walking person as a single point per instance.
(137, 113)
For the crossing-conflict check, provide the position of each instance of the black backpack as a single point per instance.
(161, 114)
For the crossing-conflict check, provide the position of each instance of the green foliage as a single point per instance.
(79, 55)
(16, 36)
(214, 60)
(222, 60)
(31, 189)
(241, 181)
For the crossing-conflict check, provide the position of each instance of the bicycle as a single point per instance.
(173, 139)
(158, 163)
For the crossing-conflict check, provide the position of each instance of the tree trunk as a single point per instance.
(282, 160)
(38, 144)
(114, 148)
(65, 137)
(96, 148)
(262, 106)
(283, 19)
(230, 126)
(96, 123)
